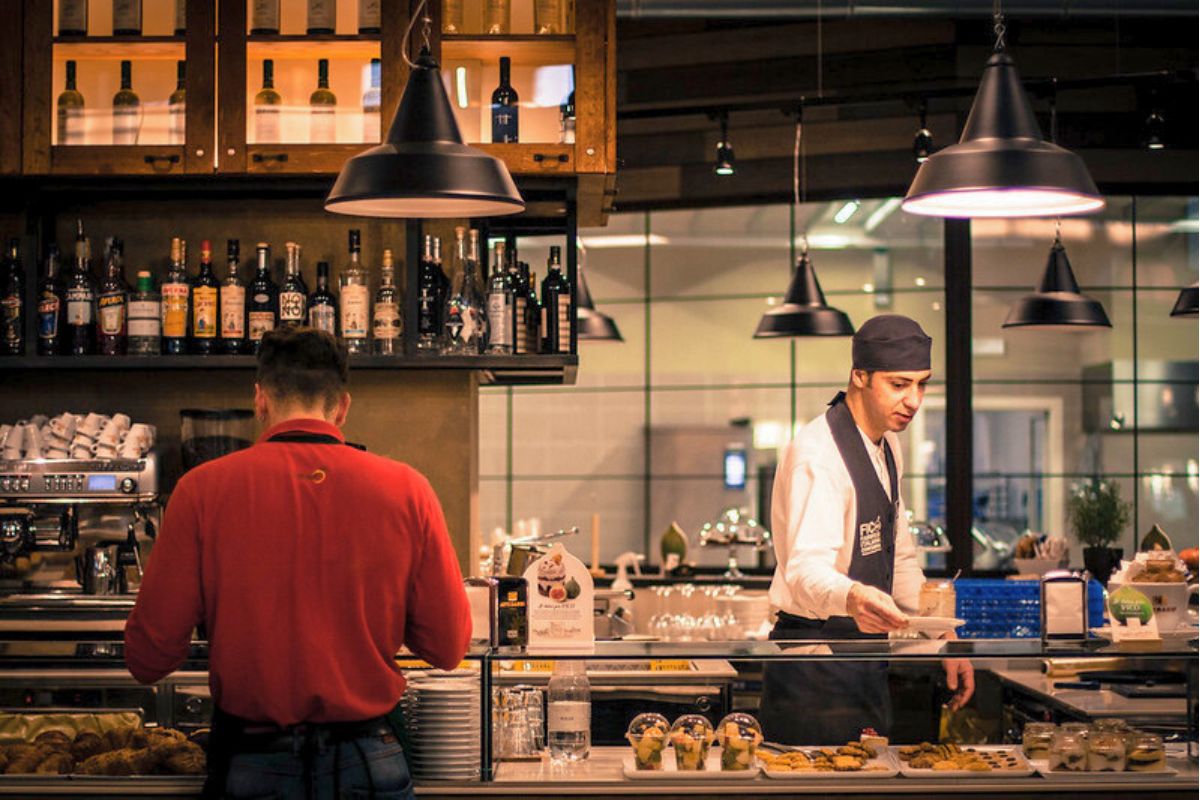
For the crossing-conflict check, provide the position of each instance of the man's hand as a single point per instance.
(960, 679)
(873, 611)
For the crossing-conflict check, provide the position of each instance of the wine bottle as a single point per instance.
(518, 277)
(533, 314)
(177, 106)
(267, 108)
(51, 306)
(206, 304)
(80, 295)
(176, 310)
(264, 299)
(12, 302)
(70, 111)
(264, 17)
(548, 17)
(180, 24)
(233, 303)
(322, 17)
(126, 108)
(72, 18)
(505, 113)
(474, 267)
(293, 294)
(556, 306)
(145, 317)
(452, 16)
(322, 109)
(566, 120)
(355, 301)
(370, 16)
(427, 300)
(322, 304)
(499, 305)
(127, 17)
(386, 325)
(113, 315)
(370, 106)
(497, 17)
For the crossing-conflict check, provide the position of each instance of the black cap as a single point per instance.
(891, 343)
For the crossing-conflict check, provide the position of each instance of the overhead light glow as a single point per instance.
(877, 217)
(618, 240)
(965, 203)
(846, 212)
(460, 86)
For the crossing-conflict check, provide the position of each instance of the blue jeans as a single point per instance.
(280, 776)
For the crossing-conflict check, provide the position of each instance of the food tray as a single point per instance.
(885, 765)
(1023, 769)
(711, 772)
(1070, 776)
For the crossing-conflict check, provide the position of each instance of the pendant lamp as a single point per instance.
(423, 169)
(1001, 167)
(804, 311)
(1058, 303)
(1185, 305)
(591, 324)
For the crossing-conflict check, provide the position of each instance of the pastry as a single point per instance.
(24, 761)
(1106, 752)
(57, 763)
(115, 762)
(1068, 752)
(54, 739)
(1147, 754)
(188, 760)
(1036, 739)
(86, 745)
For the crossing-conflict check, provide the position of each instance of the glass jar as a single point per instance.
(739, 735)
(648, 735)
(1036, 739)
(1147, 754)
(937, 599)
(1068, 751)
(1106, 752)
(1081, 729)
(691, 736)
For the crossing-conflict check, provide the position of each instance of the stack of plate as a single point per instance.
(443, 725)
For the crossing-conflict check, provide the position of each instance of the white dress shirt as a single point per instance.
(813, 520)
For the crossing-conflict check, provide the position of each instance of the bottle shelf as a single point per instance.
(311, 48)
(119, 48)
(526, 49)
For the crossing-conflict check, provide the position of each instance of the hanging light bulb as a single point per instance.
(423, 169)
(922, 146)
(1185, 304)
(725, 163)
(1057, 304)
(1001, 167)
(1154, 131)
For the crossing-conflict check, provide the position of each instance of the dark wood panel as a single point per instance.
(534, 159)
(201, 88)
(326, 159)
(231, 77)
(37, 67)
(590, 86)
(117, 160)
(11, 122)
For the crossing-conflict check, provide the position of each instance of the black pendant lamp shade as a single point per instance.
(591, 323)
(1001, 167)
(1185, 305)
(803, 311)
(1057, 302)
(423, 169)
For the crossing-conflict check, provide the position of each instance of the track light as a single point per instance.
(1154, 132)
(725, 162)
(922, 146)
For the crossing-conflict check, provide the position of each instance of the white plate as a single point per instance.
(712, 770)
(891, 768)
(933, 626)
(1023, 769)
(1181, 634)
(1067, 776)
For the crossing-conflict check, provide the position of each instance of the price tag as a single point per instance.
(531, 666)
(670, 665)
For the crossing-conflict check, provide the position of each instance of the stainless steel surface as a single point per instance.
(49, 479)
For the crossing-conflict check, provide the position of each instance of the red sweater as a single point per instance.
(310, 564)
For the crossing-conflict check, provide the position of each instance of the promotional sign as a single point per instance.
(560, 603)
(1132, 616)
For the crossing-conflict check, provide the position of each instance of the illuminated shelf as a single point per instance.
(308, 48)
(120, 48)
(521, 49)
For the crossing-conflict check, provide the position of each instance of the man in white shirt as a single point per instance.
(847, 567)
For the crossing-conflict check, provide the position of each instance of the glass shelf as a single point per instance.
(98, 78)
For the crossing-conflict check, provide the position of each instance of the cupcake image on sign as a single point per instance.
(552, 580)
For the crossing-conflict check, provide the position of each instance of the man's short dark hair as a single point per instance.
(303, 365)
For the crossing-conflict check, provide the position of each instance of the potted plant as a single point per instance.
(1098, 516)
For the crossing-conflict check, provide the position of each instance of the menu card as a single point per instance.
(560, 603)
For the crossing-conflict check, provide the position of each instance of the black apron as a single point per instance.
(829, 702)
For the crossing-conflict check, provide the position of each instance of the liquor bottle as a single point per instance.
(127, 17)
(145, 317)
(206, 305)
(80, 295)
(180, 26)
(556, 306)
(264, 299)
(386, 324)
(548, 17)
(474, 267)
(566, 120)
(70, 111)
(533, 316)
(452, 16)
(443, 284)
(72, 18)
(264, 17)
(233, 303)
(428, 286)
(518, 276)
(499, 305)
(112, 324)
(322, 304)
(505, 113)
(322, 108)
(370, 16)
(457, 319)
(322, 16)
(12, 302)
(125, 109)
(177, 106)
(497, 17)
(355, 311)
(176, 310)
(267, 107)
(569, 712)
(51, 307)
(293, 294)
(370, 106)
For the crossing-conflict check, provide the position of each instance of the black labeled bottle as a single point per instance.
(323, 304)
(233, 303)
(127, 17)
(533, 314)
(72, 18)
(505, 113)
(556, 306)
(518, 276)
(499, 305)
(386, 325)
(176, 291)
(112, 317)
(293, 294)
(206, 305)
(428, 291)
(81, 298)
(12, 302)
(51, 306)
(264, 299)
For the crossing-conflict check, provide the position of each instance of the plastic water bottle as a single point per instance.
(569, 712)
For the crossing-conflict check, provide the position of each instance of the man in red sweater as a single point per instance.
(310, 563)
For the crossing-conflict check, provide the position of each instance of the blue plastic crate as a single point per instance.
(1001, 609)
